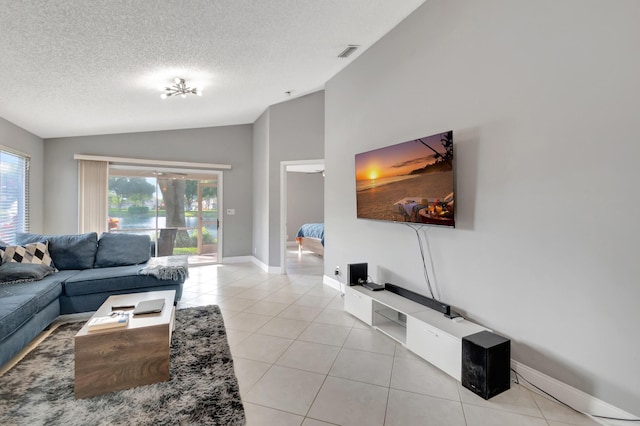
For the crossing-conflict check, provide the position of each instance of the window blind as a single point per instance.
(14, 194)
(93, 197)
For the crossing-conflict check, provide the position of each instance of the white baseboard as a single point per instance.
(275, 270)
(237, 259)
(333, 283)
(264, 266)
(571, 396)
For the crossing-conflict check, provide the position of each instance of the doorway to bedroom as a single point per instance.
(302, 217)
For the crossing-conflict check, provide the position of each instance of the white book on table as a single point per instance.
(116, 319)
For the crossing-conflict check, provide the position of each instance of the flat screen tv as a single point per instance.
(408, 182)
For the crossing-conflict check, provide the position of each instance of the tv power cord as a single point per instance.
(336, 273)
(416, 229)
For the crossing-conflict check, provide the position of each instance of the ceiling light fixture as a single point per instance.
(180, 88)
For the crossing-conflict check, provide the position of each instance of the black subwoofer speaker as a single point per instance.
(486, 360)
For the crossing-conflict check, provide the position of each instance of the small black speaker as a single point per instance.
(486, 362)
(357, 273)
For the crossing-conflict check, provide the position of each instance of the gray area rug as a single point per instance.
(202, 390)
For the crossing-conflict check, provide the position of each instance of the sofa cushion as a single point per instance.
(12, 272)
(15, 311)
(19, 302)
(76, 251)
(122, 250)
(35, 253)
(113, 279)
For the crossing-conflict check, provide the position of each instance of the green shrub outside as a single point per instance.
(207, 238)
(138, 210)
(185, 250)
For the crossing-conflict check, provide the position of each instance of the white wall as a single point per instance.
(305, 201)
(21, 140)
(543, 98)
(222, 145)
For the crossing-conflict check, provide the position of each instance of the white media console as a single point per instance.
(422, 330)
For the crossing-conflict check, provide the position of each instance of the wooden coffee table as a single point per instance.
(122, 358)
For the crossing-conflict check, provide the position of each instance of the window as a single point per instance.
(14, 194)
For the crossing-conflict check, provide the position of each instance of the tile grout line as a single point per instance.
(325, 377)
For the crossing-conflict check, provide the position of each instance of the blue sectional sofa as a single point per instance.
(88, 271)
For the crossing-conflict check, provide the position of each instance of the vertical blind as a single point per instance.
(93, 197)
(14, 194)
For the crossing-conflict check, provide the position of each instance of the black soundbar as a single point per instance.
(418, 298)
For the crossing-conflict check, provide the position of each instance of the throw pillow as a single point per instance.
(12, 272)
(35, 253)
(122, 249)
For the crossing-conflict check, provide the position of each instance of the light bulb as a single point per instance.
(177, 80)
(199, 93)
(163, 96)
(183, 96)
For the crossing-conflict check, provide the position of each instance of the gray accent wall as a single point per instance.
(220, 145)
(261, 188)
(289, 131)
(542, 98)
(296, 132)
(305, 201)
(21, 140)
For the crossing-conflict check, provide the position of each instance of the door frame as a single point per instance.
(283, 206)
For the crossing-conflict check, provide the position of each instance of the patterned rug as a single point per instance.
(202, 390)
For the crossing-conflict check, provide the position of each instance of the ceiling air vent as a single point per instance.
(348, 51)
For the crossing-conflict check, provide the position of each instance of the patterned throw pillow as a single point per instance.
(34, 253)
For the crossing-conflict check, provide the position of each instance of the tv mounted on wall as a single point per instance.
(408, 182)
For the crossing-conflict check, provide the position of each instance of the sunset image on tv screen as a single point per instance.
(408, 182)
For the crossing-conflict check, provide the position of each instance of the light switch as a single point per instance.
(231, 211)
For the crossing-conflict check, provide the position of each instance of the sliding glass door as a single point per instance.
(208, 222)
(178, 210)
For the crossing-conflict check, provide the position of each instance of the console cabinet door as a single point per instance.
(359, 305)
(439, 348)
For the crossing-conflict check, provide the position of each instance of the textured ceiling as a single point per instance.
(70, 68)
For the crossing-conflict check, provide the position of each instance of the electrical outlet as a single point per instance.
(336, 272)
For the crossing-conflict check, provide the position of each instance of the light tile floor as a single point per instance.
(301, 359)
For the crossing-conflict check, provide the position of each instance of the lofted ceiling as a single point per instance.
(80, 67)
